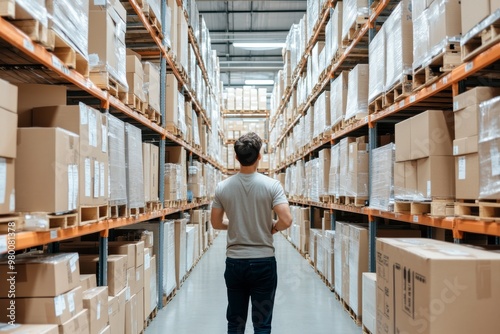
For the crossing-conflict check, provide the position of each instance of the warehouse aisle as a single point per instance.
(303, 303)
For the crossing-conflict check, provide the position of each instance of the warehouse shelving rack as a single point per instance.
(448, 86)
(18, 40)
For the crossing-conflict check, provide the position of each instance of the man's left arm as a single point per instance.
(217, 216)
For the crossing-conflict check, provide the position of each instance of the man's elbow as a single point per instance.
(288, 221)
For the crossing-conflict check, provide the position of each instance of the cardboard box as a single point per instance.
(42, 275)
(155, 172)
(117, 270)
(47, 162)
(139, 280)
(79, 324)
(405, 180)
(88, 281)
(134, 65)
(370, 301)
(423, 284)
(32, 96)
(180, 250)
(116, 313)
(131, 321)
(152, 79)
(57, 310)
(494, 5)
(358, 264)
(29, 329)
(467, 176)
(134, 171)
(153, 292)
(7, 191)
(96, 301)
(8, 133)
(444, 21)
(431, 134)
(466, 121)
(171, 101)
(131, 281)
(434, 177)
(474, 96)
(489, 166)
(147, 282)
(465, 145)
(146, 163)
(403, 140)
(140, 310)
(87, 123)
(473, 12)
(8, 97)
(106, 330)
(175, 155)
(182, 38)
(124, 248)
(135, 86)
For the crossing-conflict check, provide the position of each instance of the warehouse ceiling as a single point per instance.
(248, 21)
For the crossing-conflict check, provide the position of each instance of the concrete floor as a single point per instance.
(303, 303)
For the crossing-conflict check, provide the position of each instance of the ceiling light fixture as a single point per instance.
(259, 82)
(263, 45)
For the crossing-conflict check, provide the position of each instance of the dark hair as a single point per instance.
(247, 148)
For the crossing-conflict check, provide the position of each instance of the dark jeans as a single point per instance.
(254, 279)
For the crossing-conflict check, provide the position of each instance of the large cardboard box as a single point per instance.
(405, 180)
(29, 329)
(370, 302)
(466, 145)
(47, 163)
(140, 311)
(180, 250)
(107, 28)
(56, 310)
(473, 12)
(474, 96)
(428, 286)
(79, 324)
(357, 175)
(88, 281)
(135, 87)
(435, 177)
(8, 133)
(134, 64)
(466, 121)
(358, 264)
(124, 248)
(403, 140)
(41, 275)
(96, 301)
(467, 176)
(444, 21)
(182, 38)
(117, 162)
(7, 190)
(139, 280)
(152, 80)
(8, 97)
(154, 172)
(32, 96)
(489, 166)
(431, 134)
(134, 172)
(131, 321)
(171, 101)
(86, 122)
(116, 313)
(117, 270)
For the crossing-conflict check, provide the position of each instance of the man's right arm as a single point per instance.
(284, 217)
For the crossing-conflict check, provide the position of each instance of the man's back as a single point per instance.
(248, 200)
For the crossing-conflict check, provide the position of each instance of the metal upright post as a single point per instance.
(333, 219)
(102, 274)
(161, 195)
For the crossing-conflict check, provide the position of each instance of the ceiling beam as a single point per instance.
(255, 11)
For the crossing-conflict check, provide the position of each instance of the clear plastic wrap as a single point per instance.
(196, 130)
(181, 113)
(382, 180)
(344, 165)
(167, 28)
(312, 16)
(421, 39)
(70, 19)
(320, 253)
(377, 63)
(117, 165)
(354, 11)
(173, 182)
(100, 60)
(399, 44)
(324, 160)
(338, 98)
(334, 176)
(357, 175)
(30, 9)
(336, 37)
(308, 127)
(153, 6)
(489, 149)
(328, 40)
(357, 94)
(133, 156)
(322, 114)
(152, 85)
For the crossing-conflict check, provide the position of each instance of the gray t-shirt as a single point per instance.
(248, 200)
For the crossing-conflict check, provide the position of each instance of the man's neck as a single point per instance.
(248, 169)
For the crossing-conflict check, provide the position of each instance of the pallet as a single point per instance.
(134, 212)
(365, 330)
(92, 214)
(153, 206)
(151, 317)
(153, 20)
(327, 199)
(352, 120)
(11, 224)
(172, 204)
(448, 59)
(153, 115)
(485, 35)
(168, 298)
(354, 30)
(68, 55)
(36, 32)
(135, 103)
(436, 207)
(173, 129)
(106, 81)
(401, 89)
(356, 201)
(376, 105)
(54, 220)
(483, 210)
(350, 311)
(118, 211)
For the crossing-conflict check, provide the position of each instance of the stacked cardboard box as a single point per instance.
(135, 170)
(377, 62)
(322, 114)
(180, 250)
(353, 11)
(135, 78)
(426, 283)
(150, 160)
(195, 180)
(465, 146)
(91, 126)
(424, 157)
(191, 234)
(8, 149)
(369, 308)
(117, 161)
(489, 139)
(357, 170)
(357, 94)
(382, 178)
(107, 52)
(176, 173)
(51, 283)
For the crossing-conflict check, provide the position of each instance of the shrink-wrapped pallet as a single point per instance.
(377, 62)
(334, 177)
(357, 94)
(321, 114)
(489, 149)
(354, 12)
(382, 181)
(133, 156)
(336, 35)
(117, 164)
(338, 98)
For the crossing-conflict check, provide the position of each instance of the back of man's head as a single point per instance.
(247, 148)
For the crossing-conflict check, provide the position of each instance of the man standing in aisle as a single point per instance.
(248, 199)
